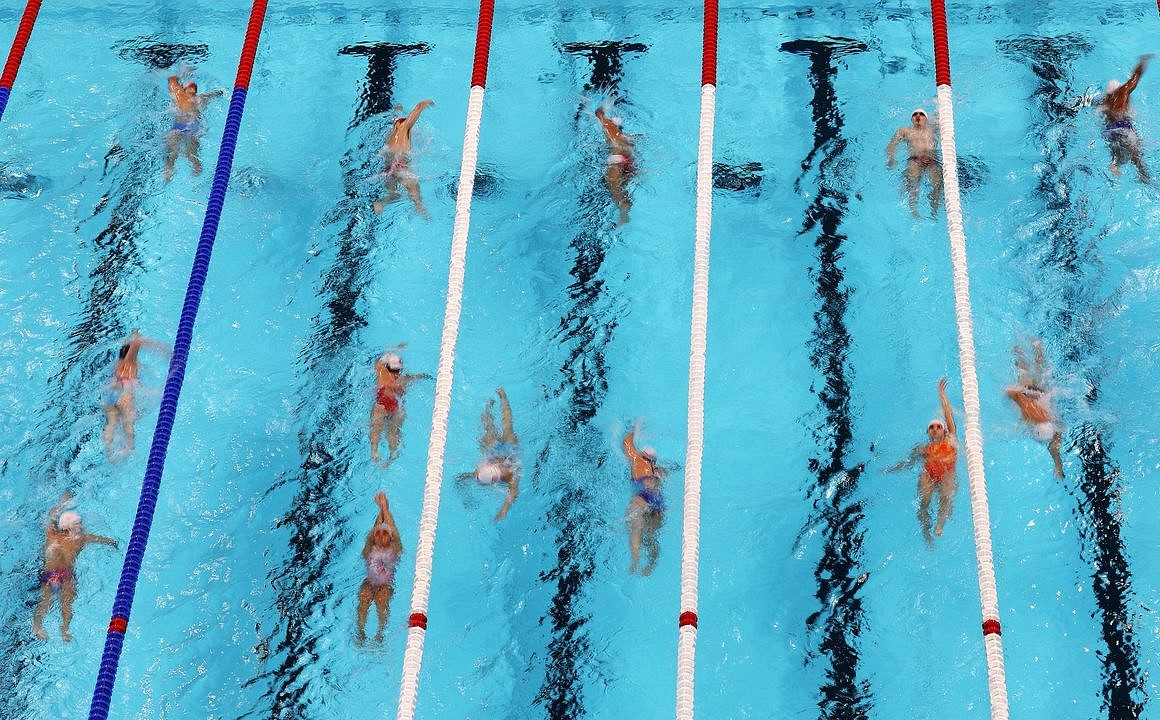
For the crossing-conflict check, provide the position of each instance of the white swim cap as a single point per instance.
(937, 421)
(918, 111)
(488, 473)
(68, 520)
(650, 453)
(1113, 85)
(392, 361)
(383, 526)
(618, 122)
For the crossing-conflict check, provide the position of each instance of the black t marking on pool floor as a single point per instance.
(837, 509)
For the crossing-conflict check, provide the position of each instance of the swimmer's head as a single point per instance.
(650, 453)
(936, 428)
(382, 533)
(191, 89)
(618, 122)
(392, 361)
(69, 522)
(488, 473)
(918, 112)
(1113, 85)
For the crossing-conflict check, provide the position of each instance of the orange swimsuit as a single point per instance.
(940, 459)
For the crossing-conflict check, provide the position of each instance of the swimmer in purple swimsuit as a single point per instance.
(646, 509)
(184, 137)
(381, 553)
(64, 538)
(920, 138)
(1118, 129)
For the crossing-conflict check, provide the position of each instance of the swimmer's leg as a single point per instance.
(925, 490)
(192, 152)
(652, 524)
(382, 608)
(128, 411)
(946, 502)
(913, 172)
(1053, 448)
(1138, 161)
(634, 518)
(393, 194)
(170, 154)
(412, 186)
(394, 431)
(364, 604)
(68, 593)
(41, 610)
(107, 435)
(614, 177)
(378, 417)
(936, 187)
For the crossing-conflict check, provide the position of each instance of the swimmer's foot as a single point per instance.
(938, 530)
(926, 536)
(1115, 169)
(632, 568)
(914, 212)
(66, 635)
(379, 636)
(360, 637)
(40, 633)
(167, 174)
(648, 569)
(378, 206)
(623, 219)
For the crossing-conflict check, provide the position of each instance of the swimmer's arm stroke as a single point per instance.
(513, 490)
(629, 446)
(1133, 81)
(898, 137)
(90, 538)
(946, 407)
(413, 116)
(174, 85)
(916, 456)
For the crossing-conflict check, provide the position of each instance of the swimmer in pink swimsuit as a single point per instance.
(922, 161)
(381, 552)
(387, 410)
(398, 154)
(621, 163)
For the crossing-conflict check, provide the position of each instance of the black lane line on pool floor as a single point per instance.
(578, 450)
(837, 509)
(1097, 490)
(131, 173)
(305, 581)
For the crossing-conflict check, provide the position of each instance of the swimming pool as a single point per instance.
(825, 346)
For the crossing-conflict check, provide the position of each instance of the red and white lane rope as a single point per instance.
(691, 535)
(980, 514)
(429, 518)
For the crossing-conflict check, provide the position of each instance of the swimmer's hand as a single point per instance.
(891, 162)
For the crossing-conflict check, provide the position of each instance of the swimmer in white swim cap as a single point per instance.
(64, 539)
(1123, 141)
(387, 410)
(1032, 394)
(500, 450)
(920, 138)
(620, 166)
(646, 508)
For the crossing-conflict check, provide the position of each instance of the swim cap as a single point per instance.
(488, 473)
(618, 122)
(937, 421)
(392, 361)
(383, 526)
(650, 453)
(1113, 85)
(68, 520)
(918, 111)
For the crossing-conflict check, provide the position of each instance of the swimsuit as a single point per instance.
(505, 451)
(1120, 126)
(621, 159)
(653, 499)
(117, 387)
(940, 459)
(388, 400)
(400, 167)
(381, 564)
(923, 160)
(187, 128)
(1044, 431)
(55, 577)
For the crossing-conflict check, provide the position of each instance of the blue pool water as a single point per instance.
(817, 594)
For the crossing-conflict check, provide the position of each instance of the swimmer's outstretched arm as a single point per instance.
(90, 538)
(174, 85)
(915, 457)
(1133, 81)
(408, 379)
(513, 490)
(629, 445)
(413, 116)
(946, 407)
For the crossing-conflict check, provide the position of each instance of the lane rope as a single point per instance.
(151, 486)
(429, 517)
(691, 532)
(16, 53)
(973, 434)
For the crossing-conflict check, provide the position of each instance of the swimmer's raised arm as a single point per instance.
(946, 407)
(629, 445)
(1133, 81)
(413, 116)
(90, 538)
(513, 490)
(915, 457)
(174, 85)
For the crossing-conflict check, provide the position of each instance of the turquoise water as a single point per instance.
(818, 596)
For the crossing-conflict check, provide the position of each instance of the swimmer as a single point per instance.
(620, 166)
(1118, 129)
(398, 154)
(921, 140)
(938, 459)
(64, 538)
(646, 509)
(381, 552)
(1032, 395)
(120, 394)
(185, 136)
(499, 449)
(390, 384)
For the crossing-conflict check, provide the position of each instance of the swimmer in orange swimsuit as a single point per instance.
(398, 154)
(1032, 395)
(921, 140)
(390, 384)
(620, 165)
(120, 394)
(938, 458)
